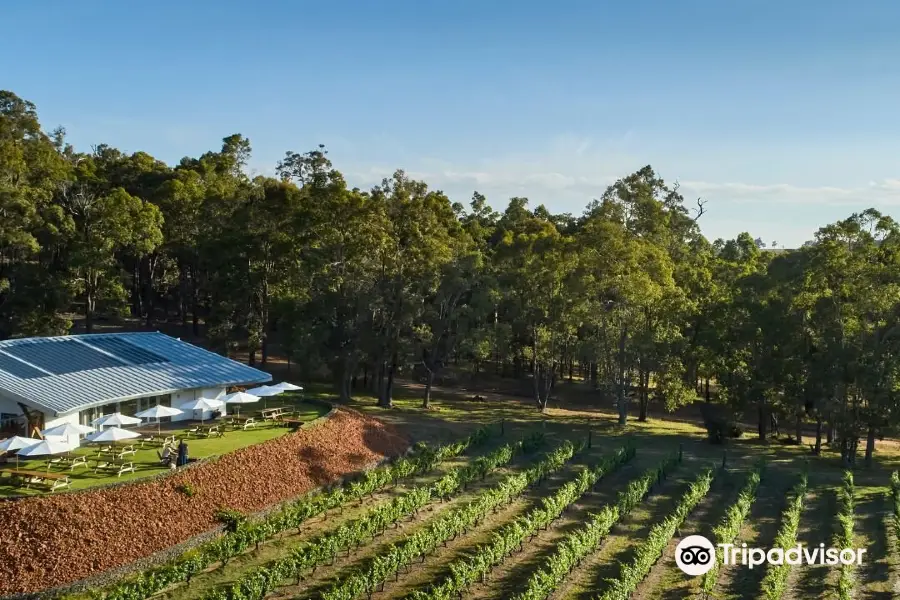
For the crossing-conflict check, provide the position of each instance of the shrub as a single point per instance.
(232, 519)
(186, 489)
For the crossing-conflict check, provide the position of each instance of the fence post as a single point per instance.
(502, 427)
(680, 452)
(590, 438)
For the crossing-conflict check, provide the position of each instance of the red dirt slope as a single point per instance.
(48, 541)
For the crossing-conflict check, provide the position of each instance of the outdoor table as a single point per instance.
(57, 480)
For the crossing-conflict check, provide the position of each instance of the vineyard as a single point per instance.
(534, 513)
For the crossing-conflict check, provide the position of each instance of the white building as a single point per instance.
(45, 382)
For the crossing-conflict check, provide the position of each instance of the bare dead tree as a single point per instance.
(701, 208)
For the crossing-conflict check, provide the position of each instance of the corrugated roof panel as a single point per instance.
(60, 356)
(188, 367)
(126, 351)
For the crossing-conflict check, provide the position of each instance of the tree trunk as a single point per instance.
(594, 375)
(183, 296)
(195, 302)
(429, 380)
(89, 311)
(135, 289)
(707, 391)
(829, 432)
(870, 445)
(763, 422)
(386, 400)
(620, 392)
(818, 449)
(148, 291)
(644, 381)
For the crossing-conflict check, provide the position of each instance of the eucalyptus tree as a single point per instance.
(421, 227)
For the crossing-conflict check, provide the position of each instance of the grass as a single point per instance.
(146, 461)
(453, 414)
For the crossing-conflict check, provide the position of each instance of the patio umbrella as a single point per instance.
(67, 430)
(44, 448)
(113, 434)
(157, 412)
(239, 398)
(286, 386)
(201, 404)
(17, 442)
(264, 391)
(115, 419)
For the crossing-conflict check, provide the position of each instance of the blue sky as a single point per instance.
(782, 115)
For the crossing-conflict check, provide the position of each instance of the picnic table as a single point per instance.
(53, 480)
(273, 414)
(119, 453)
(113, 467)
(210, 431)
(242, 422)
(292, 422)
(69, 462)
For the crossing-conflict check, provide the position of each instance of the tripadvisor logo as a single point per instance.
(695, 555)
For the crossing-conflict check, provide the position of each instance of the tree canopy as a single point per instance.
(628, 297)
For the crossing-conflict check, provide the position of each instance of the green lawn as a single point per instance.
(146, 461)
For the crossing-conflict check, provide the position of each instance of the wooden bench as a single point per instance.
(273, 414)
(292, 422)
(117, 468)
(243, 422)
(212, 431)
(54, 481)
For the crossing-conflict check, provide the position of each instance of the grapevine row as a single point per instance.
(727, 530)
(846, 501)
(458, 522)
(577, 545)
(653, 547)
(258, 582)
(510, 538)
(293, 515)
(775, 581)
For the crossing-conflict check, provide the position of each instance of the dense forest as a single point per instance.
(628, 296)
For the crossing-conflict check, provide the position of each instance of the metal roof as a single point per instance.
(68, 373)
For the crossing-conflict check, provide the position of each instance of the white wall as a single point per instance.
(179, 398)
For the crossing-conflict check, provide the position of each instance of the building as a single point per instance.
(46, 382)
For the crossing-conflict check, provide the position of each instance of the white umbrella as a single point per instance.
(113, 434)
(285, 386)
(201, 404)
(17, 443)
(45, 448)
(115, 419)
(215, 402)
(67, 430)
(240, 398)
(157, 412)
(265, 391)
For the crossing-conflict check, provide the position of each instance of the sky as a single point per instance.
(782, 116)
